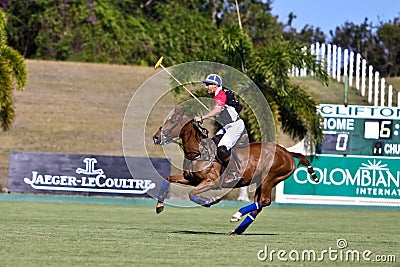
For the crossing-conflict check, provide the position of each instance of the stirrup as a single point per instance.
(229, 174)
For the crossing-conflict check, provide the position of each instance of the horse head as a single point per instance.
(171, 128)
(177, 125)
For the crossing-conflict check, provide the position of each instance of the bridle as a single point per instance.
(201, 131)
(199, 127)
(166, 133)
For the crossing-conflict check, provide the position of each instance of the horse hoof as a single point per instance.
(215, 200)
(159, 209)
(236, 217)
(232, 233)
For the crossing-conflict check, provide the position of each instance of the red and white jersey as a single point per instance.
(220, 97)
(220, 101)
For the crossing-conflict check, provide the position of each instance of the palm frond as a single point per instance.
(6, 107)
(7, 114)
(12, 72)
(237, 46)
(16, 62)
(3, 35)
(299, 114)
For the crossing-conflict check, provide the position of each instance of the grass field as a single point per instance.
(77, 234)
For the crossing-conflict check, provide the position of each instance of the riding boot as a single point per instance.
(231, 175)
(216, 138)
(223, 155)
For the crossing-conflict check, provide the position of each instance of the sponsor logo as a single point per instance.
(371, 179)
(89, 179)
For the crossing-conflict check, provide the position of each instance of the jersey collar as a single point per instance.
(219, 89)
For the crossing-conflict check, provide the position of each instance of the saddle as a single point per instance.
(208, 155)
(208, 150)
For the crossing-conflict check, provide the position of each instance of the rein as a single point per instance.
(185, 136)
(199, 126)
(200, 131)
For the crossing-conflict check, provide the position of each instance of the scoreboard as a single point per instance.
(360, 130)
(357, 162)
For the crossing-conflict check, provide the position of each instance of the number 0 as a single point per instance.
(341, 142)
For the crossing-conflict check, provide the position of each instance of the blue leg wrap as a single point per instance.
(164, 189)
(250, 208)
(165, 184)
(205, 202)
(246, 222)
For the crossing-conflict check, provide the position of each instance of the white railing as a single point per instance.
(340, 63)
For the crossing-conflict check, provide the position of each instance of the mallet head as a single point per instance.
(158, 62)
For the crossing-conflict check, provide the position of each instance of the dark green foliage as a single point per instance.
(121, 32)
(183, 35)
(138, 32)
(237, 46)
(12, 72)
(24, 24)
(379, 45)
(389, 40)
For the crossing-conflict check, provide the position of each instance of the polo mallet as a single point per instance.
(170, 74)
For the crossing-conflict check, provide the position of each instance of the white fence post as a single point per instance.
(355, 67)
(323, 56)
(339, 61)
(313, 52)
(334, 61)
(346, 62)
(370, 79)
(376, 94)
(358, 60)
(383, 87)
(303, 70)
(351, 69)
(390, 96)
(329, 59)
(363, 75)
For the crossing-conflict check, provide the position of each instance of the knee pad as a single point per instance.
(223, 153)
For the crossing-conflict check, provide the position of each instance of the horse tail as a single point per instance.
(304, 161)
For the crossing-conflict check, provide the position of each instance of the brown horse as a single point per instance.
(269, 162)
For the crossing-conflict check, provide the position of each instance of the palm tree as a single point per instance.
(13, 74)
(294, 110)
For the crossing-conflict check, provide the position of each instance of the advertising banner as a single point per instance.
(358, 180)
(35, 172)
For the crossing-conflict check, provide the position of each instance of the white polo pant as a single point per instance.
(233, 131)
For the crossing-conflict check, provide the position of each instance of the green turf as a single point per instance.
(76, 234)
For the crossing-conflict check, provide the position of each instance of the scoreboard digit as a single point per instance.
(360, 130)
